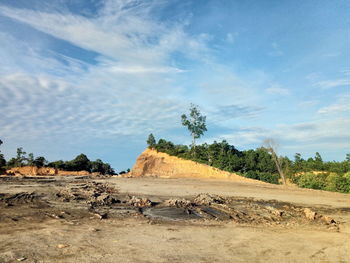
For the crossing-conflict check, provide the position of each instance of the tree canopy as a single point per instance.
(195, 123)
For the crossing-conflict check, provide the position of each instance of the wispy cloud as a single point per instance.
(231, 37)
(342, 104)
(277, 90)
(327, 84)
(276, 50)
(122, 30)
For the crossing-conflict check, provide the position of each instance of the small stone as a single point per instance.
(101, 216)
(328, 220)
(21, 259)
(309, 214)
(62, 245)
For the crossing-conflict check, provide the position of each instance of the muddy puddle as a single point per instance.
(170, 213)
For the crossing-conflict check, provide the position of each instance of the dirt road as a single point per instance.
(72, 219)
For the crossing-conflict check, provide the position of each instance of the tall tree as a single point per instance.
(151, 141)
(20, 158)
(348, 157)
(30, 159)
(2, 159)
(195, 123)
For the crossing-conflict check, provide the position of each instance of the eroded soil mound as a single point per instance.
(39, 171)
(158, 164)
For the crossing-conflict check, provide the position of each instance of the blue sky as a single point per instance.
(98, 76)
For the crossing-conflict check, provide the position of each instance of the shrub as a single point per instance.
(311, 180)
(263, 176)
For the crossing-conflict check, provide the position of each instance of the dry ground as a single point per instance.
(59, 220)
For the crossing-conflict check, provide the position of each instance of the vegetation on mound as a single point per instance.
(79, 163)
(262, 163)
(258, 164)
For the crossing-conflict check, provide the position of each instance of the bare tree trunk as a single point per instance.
(271, 147)
(279, 167)
(193, 145)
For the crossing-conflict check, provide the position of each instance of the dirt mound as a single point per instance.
(158, 164)
(40, 171)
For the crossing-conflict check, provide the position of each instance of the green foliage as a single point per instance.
(311, 180)
(325, 181)
(195, 123)
(263, 176)
(2, 160)
(151, 141)
(20, 158)
(39, 161)
(101, 167)
(79, 163)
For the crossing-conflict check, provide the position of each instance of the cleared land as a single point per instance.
(79, 219)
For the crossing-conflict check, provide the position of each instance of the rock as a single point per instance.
(101, 216)
(178, 202)
(309, 214)
(207, 199)
(274, 211)
(21, 259)
(140, 202)
(62, 245)
(329, 220)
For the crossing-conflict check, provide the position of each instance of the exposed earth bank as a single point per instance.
(157, 164)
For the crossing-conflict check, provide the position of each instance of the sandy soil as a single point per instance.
(42, 226)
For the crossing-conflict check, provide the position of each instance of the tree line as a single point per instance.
(259, 164)
(80, 163)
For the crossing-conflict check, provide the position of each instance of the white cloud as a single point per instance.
(326, 84)
(277, 90)
(342, 104)
(123, 31)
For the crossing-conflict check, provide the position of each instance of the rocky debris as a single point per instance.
(19, 198)
(178, 202)
(208, 199)
(21, 259)
(139, 202)
(309, 214)
(274, 211)
(93, 193)
(328, 220)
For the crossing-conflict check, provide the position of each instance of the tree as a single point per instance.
(20, 158)
(79, 163)
(195, 123)
(348, 157)
(30, 159)
(151, 141)
(2, 159)
(271, 147)
(39, 161)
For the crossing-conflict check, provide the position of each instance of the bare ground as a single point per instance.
(78, 219)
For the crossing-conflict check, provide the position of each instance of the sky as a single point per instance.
(98, 76)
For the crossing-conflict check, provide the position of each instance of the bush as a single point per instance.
(263, 176)
(325, 181)
(311, 180)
